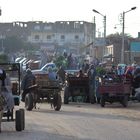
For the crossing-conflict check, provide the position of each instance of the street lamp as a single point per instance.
(104, 22)
(123, 27)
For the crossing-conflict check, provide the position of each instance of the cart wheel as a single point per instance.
(66, 95)
(29, 101)
(125, 101)
(18, 121)
(102, 101)
(23, 118)
(57, 102)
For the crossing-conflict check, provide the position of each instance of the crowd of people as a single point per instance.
(97, 71)
(92, 70)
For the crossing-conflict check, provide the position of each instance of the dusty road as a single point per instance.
(78, 122)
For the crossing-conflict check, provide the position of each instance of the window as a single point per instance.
(47, 28)
(62, 37)
(76, 37)
(37, 27)
(48, 37)
(36, 37)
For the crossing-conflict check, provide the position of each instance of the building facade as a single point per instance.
(70, 36)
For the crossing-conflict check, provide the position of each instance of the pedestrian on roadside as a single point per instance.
(92, 75)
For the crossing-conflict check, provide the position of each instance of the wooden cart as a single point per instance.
(77, 87)
(44, 91)
(115, 92)
(13, 70)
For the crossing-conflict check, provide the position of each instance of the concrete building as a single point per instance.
(134, 52)
(71, 36)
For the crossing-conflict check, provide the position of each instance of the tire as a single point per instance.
(66, 95)
(18, 121)
(29, 101)
(23, 118)
(57, 102)
(125, 101)
(102, 101)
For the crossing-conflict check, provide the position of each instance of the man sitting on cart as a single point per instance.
(28, 80)
(121, 71)
(52, 74)
(80, 73)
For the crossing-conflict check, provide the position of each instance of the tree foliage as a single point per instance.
(119, 35)
(117, 38)
(100, 71)
(15, 44)
(3, 58)
(61, 61)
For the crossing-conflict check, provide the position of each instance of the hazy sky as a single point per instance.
(68, 10)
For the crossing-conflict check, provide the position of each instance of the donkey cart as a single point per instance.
(115, 92)
(43, 91)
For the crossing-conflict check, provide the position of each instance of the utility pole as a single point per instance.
(94, 36)
(123, 40)
(104, 35)
(123, 25)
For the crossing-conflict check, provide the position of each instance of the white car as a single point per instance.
(18, 59)
(44, 69)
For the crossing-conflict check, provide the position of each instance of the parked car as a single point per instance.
(44, 69)
(18, 59)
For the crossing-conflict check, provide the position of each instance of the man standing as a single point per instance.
(61, 73)
(92, 75)
(85, 66)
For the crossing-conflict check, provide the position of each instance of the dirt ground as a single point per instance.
(78, 121)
